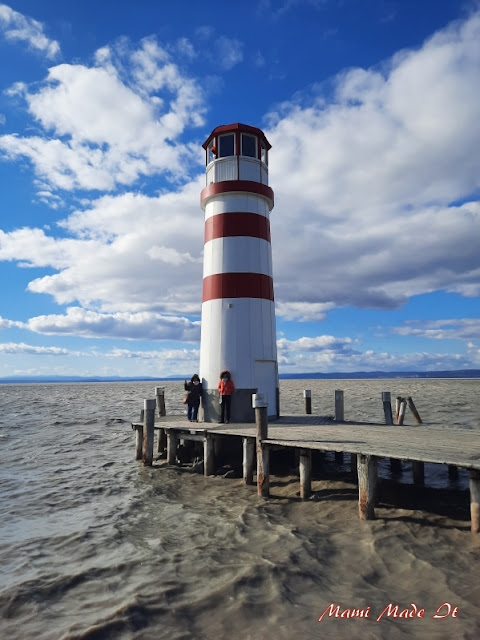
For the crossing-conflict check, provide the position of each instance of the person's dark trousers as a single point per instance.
(192, 411)
(225, 409)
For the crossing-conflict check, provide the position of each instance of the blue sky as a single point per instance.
(372, 112)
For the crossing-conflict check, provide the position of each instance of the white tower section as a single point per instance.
(238, 309)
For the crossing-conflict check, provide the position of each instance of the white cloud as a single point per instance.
(375, 190)
(327, 353)
(134, 326)
(108, 124)
(447, 329)
(16, 26)
(8, 324)
(122, 254)
(9, 348)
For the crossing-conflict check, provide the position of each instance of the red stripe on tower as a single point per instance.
(226, 225)
(237, 285)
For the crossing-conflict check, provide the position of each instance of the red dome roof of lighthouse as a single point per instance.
(241, 128)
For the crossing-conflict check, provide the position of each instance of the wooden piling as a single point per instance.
(418, 472)
(307, 395)
(353, 464)
(248, 458)
(367, 486)
(452, 472)
(160, 397)
(208, 456)
(259, 402)
(339, 405)
(305, 468)
(401, 411)
(387, 407)
(475, 500)
(148, 431)
(172, 443)
(162, 441)
(398, 402)
(413, 409)
(138, 441)
(395, 465)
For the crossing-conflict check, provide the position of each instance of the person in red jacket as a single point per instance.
(225, 389)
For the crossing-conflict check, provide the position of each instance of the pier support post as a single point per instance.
(387, 407)
(259, 402)
(452, 472)
(367, 486)
(418, 472)
(160, 396)
(307, 395)
(208, 455)
(401, 411)
(148, 431)
(172, 443)
(305, 467)
(475, 500)
(395, 465)
(162, 440)
(138, 441)
(413, 409)
(339, 406)
(353, 464)
(248, 457)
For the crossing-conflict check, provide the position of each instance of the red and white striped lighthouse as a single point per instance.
(238, 311)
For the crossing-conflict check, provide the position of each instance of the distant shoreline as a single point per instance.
(358, 375)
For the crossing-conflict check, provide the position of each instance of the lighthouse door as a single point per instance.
(266, 382)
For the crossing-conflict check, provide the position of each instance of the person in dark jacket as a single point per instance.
(194, 388)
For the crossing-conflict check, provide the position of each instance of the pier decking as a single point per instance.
(367, 442)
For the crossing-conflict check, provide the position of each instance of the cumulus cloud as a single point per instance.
(106, 125)
(456, 328)
(328, 353)
(375, 187)
(17, 27)
(135, 326)
(121, 254)
(22, 348)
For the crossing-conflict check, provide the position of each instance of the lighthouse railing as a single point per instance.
(237, 168)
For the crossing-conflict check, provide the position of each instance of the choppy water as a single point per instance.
(94, 545)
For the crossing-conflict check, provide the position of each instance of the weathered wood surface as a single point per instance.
(427, 443)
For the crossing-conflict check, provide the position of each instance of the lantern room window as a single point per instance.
(249, 146)
(263, 154)
(226, 144)
(211, 151)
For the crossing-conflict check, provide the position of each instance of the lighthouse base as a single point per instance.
(241, 407)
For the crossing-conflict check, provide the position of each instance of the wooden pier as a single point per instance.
(366, 442)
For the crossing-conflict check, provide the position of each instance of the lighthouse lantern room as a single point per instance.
(238, 312)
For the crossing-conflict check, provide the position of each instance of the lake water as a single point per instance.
(95, 545)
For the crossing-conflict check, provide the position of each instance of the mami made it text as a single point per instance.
(445, 610)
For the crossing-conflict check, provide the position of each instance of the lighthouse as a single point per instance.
(238, 331)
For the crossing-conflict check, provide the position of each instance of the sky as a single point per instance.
(372, 111)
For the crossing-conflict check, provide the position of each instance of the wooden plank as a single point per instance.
(433, 443)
